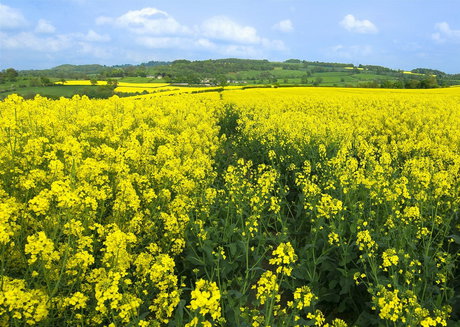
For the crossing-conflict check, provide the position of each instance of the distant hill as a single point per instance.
(249, 71)
(67, 71)
(89, 69)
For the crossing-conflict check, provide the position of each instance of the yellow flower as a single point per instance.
(40, 247)
(318, 317)
(267, 287)
(329, 207)
(333, 238)
(303, 297)
(365, 241)
(206, 299)
(390, 258)
(283, 257)
(24, 305)
(77, 301)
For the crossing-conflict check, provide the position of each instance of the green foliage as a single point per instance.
(248, 71)
(8, 75)
(98, 92)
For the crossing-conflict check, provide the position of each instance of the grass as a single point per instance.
(48, 91)
(339, 78)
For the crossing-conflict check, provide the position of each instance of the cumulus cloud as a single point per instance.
(200, 44)
(157, 29)
(445, 33)
(223, 28)
(206, 44)
(146, 21)
(53, 43)
(147, 28)
(27, 40)
(44, 27)
(352, 24)
(11, 18)
(93, 36)
(284, 26)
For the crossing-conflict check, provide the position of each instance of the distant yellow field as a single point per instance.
(158, 88)
(418, 74)
(358, 68)
(138, 86)
(81, 82)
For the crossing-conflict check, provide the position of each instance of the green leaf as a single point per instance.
(194, 260)
(332, 283)
(232, 247)
(345, 284)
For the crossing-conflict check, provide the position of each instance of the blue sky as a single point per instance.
(402, 34)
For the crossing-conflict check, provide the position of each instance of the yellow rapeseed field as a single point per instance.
(257, 207)
(121, 84)
(161, 89)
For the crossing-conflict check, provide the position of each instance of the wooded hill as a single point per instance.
(248, 71)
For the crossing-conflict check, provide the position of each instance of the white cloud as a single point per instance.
(93, 36)
(200, 44)
(11, 18)
(223, 28)
(30, 41)
(284, 26)
(77, 42)
(351, 52)
(205, 43)
(156, 29)
(445, 33)
(146, 21)
(44, 27)
(149, 28)
(350, 23)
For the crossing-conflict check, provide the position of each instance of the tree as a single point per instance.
(293, 61)
(35, 81)
(266, 76)
(387, 84)
(429, 83)
(221, 80)
(412, 84)
(112, 83)
(93, 81)
(318, 81)
(45, 81)
(11, 74)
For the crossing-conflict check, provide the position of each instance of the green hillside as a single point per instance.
(225, 72)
